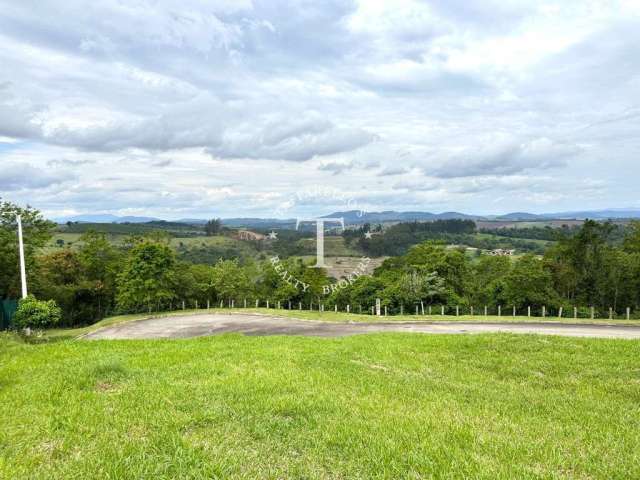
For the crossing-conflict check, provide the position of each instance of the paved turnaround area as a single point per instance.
(188, 326)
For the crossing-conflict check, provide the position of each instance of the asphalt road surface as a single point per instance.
(253, 324)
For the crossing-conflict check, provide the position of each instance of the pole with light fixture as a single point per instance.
(23, 270)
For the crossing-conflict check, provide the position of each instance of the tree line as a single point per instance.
(586, 269)
(399, 238)
(616, 234)
(98, 278)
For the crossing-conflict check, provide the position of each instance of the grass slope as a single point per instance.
(377, 406)
(331, 316)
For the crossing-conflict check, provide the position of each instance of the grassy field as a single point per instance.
(72, 240)
(334, 247)
(490, 236)
(331, 316)
(377, 406)
(215, 241)
(69, 240)
(118, 239)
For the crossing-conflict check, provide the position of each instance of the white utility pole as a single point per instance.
(23, 270)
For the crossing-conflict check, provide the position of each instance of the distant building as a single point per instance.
(499, 252)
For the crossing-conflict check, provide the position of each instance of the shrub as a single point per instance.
(36, 314)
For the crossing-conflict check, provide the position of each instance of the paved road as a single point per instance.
(252, 324)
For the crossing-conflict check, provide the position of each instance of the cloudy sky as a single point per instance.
(267, 108)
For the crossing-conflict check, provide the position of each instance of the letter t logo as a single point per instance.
(320, 236)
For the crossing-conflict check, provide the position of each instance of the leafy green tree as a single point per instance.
(267, 281)
(204, 286)
(631, 241)
(59, 277)
(36, 232)
(618, 287)
(529, 284)
(486, 280)
(317, 281)
(414, 287)
(98, 256)
(186, 285)
(449, 263)
(82, 282)
(292, 280)
(100, 262)
(230, 280)
(287, 292)
(365, 290)
(340, 296)
(213, 227)
(581, 264)
(558, 261)
(148, 277)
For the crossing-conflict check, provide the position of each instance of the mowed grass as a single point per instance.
(330, 315)
(373, 406)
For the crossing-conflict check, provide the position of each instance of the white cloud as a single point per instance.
(175, 108)
(23, 176)
(504, 158)
(18, 117)
(295, 139)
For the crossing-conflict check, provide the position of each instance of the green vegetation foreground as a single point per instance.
(379, 406)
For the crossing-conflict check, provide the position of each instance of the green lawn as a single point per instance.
(334, 246)
(215, 241)
(332, 316)
(375, 406)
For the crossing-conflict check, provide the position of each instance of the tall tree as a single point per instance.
(100, 262)
(59, 276)
(414, 287)
(632, 239)
(82, 282)
(148, 278)
(486, 281)
(581, 264)
(449, 263)
(230, 280)
(529, 284)
(213, 227)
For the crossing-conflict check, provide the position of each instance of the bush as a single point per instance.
(33, 313)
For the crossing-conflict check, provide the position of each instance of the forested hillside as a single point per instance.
(592, 266)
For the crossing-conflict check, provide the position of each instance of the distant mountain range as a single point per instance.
(577, 215)
(104, 218)
(356, 217)
(260, 222)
